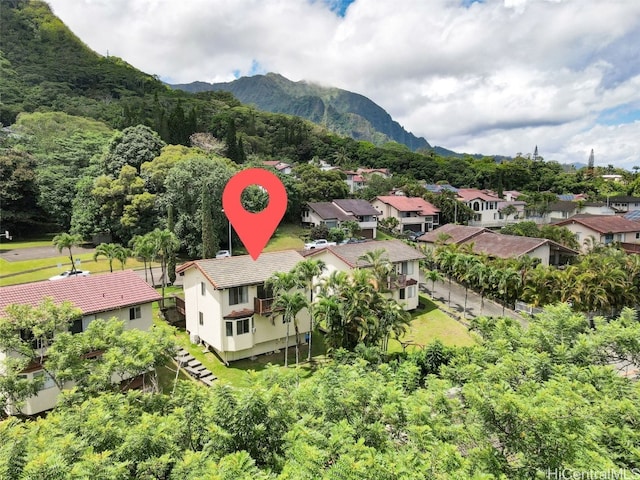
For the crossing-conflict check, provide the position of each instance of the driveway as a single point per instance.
(475, 306)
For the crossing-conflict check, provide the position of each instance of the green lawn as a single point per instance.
(41, 241)
(43, 268)
(428, 324)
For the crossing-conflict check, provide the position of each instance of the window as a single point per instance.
(76, 326)
(637, 236)
(403, 293)
(242, 326)
(135, 313)
(200, 318)
(411, 291)
(229, 328)
(203, 288)
(608, 238)
(406, 268)
(48, 381)
(238, 295)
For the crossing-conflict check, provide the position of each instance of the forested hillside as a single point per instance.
(340, 111)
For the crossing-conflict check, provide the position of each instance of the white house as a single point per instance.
(281, 167)
(484, 205)
(123, 295)
(332, 214)
(357, 180)
(625, 203)
(405, 259)
(229, 309)
(603, 229)
(413, 213)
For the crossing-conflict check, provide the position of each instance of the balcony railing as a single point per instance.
(262, 306)
(397, 281)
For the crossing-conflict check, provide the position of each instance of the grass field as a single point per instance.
(40, 241)
(428, 324)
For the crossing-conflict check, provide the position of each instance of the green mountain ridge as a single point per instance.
(340, 111)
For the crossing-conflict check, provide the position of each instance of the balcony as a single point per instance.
(262, 306)
(397, 281)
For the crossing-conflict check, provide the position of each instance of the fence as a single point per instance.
(526, 308)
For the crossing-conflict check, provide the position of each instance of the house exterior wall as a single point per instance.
(413, 221)
(583, 232)
(47, 397)
(543, 252)
(410, 302)
(266, 333)
(484, 211)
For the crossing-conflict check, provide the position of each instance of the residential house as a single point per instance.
(123, 295)
(451, 233)
(493, 244)
(564, 209)
(625, 203)
(485, 206)
(357, 180)
(404, 258)
(414, 214)
(229, 308)
(333, 214)
(602, 229)
(281, 167)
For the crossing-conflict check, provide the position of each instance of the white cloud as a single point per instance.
(494, 77)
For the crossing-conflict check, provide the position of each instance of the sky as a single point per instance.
(495, 77)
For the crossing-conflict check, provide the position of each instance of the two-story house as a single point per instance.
(357, 180)
(229, 308)
(625, 203)
(602, 229)
(414, 214)
(485, 206)
(123, 295)
(332, 214)
(403, 284)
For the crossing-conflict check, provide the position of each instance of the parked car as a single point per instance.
(347, 241)
(70, 274)
(413, 236)
(320, 243)
(223, 254)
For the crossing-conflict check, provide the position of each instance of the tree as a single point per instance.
(171, 262)
(508, 210)
(433, 276)
(290, 303)
(306, 271)
(133, 146)
(210, 242)
(112, 251)
(25, 334)
(68, 241)
(164, 244)
(144, 248)
(352, 228)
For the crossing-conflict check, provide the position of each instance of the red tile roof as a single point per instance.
(409, 204)
(604, 223)
(92, 294)
(468, 194)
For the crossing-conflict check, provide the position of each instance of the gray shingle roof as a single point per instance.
(396, 250)
(243, 270)
(356, 207)
(327, 211)
(458, 233)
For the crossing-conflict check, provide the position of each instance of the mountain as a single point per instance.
(343, 112)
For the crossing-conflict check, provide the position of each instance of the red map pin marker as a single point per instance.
(254, 229)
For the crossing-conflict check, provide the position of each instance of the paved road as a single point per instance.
(157, 276)
(474, 302)
(34, 253)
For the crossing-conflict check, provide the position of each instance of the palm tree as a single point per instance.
(393, 319)
(66, 240)
(281, 283)
(378, 261)
(482, 276)
(165, 243)
(291, 303)
(111, 251)
(144, 249)
(306, 271)
(434, 276)
(122, 255)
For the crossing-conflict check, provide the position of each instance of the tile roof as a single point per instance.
(327, 210)
(243, 270)
(468, 194)
(397, 251)
(409, 204)
(93, 294)
(603, 223)
(504, 246)
(624, 199)
(458, 233)
(356, 207)
(563, 206)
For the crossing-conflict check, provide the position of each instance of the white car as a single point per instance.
(223, 254)
(70, 274)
